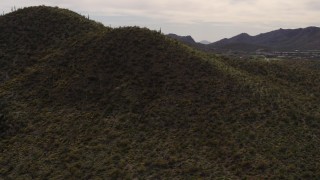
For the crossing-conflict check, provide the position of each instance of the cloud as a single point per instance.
(256, 14)
(313, 5)
(191, 11)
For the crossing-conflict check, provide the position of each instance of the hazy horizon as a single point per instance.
(202, 19)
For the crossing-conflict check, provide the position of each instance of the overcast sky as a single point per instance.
(202, 19)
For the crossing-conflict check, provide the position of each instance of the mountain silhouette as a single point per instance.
(185, 39)
(282, 40)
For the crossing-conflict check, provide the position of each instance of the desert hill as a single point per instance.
(79, 100)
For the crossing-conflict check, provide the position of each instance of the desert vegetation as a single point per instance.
(84, 101)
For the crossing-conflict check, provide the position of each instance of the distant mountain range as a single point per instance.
(205, 42)
(280, 40)
(185, 39)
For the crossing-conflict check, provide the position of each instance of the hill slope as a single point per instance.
(29, 32)
(133, 103)
(282, 39)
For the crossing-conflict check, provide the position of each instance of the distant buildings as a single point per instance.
(297, 54)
